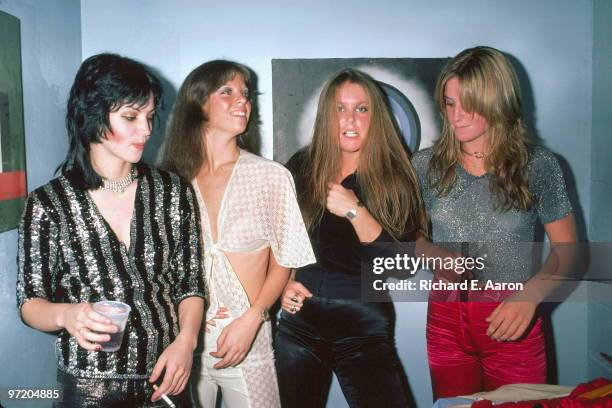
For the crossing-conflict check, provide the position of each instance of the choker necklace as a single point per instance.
(119, 185)
(478, 155)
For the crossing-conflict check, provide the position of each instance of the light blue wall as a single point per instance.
(550, 39)
(599, 321)
(50, 55)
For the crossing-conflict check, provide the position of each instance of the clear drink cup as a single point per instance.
(118, 313)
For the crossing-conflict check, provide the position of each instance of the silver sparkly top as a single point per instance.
(68, 253)
(503, 239)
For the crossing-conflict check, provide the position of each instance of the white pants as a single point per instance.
(252, 384)
(230, 380)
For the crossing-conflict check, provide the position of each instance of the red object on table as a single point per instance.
(574, 400)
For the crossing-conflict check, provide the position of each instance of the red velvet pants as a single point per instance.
(464, 360)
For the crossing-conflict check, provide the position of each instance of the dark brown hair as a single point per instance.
(184, 151)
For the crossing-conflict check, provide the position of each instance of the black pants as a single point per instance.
(110, 393)
(355, 340)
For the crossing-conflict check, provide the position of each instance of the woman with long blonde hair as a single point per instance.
(252, 232)
(356, 188)
(485, 185)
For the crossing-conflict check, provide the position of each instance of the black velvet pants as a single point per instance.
(110, 393)
(352, 339)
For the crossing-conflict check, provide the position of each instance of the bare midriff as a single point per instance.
(251, 269)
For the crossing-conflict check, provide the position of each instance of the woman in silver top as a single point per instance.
(486, 185)
(112, 228)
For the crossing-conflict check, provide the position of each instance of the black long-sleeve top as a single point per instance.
(337, 273)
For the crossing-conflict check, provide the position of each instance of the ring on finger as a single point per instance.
(293, 309)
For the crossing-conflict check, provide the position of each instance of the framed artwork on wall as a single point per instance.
(12, 135)
(408, 84)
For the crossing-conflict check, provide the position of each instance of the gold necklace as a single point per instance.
(478, 156)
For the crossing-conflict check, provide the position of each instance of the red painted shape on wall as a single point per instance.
(12, 185)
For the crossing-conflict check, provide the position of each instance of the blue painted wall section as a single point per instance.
(599, 322)
(50, 55)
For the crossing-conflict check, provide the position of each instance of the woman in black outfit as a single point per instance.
(355, 187)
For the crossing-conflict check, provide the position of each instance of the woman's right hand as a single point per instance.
(222, 313)
(86, 326)
(293, 296)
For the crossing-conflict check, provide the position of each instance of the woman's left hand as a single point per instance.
(236, 338)
(340, 200)
(176, 359)
(510, 319)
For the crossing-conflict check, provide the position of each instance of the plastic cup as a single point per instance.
(118, 313)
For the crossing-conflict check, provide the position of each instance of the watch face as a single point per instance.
(350, 214)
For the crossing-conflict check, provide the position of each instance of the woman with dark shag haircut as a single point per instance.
(112, 228)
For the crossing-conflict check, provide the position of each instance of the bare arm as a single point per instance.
(276, 279)
(512, 317)
(236, 338)
(177, 358)
(85, 325)
(561, 257)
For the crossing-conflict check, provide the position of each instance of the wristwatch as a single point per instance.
(352, 213)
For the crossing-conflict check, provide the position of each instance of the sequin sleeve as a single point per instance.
(37, 253)
(548, 186)
(289, 239)
(187, 262)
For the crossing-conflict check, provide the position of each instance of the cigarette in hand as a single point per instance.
(165, 397)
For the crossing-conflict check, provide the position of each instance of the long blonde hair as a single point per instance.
(385, 175)
(488, 86)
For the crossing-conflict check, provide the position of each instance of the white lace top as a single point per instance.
(259, 209)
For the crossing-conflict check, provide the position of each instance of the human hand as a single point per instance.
(293, 296)
(222, 313)
(88, 327)
(510, 319)
(236, 338)
(340, 200)
(175, 362)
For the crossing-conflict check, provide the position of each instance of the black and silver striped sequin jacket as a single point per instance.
(68, 253)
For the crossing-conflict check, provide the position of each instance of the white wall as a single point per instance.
(551, 40)
(50, 56)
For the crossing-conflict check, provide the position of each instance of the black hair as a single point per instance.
(103, 84)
